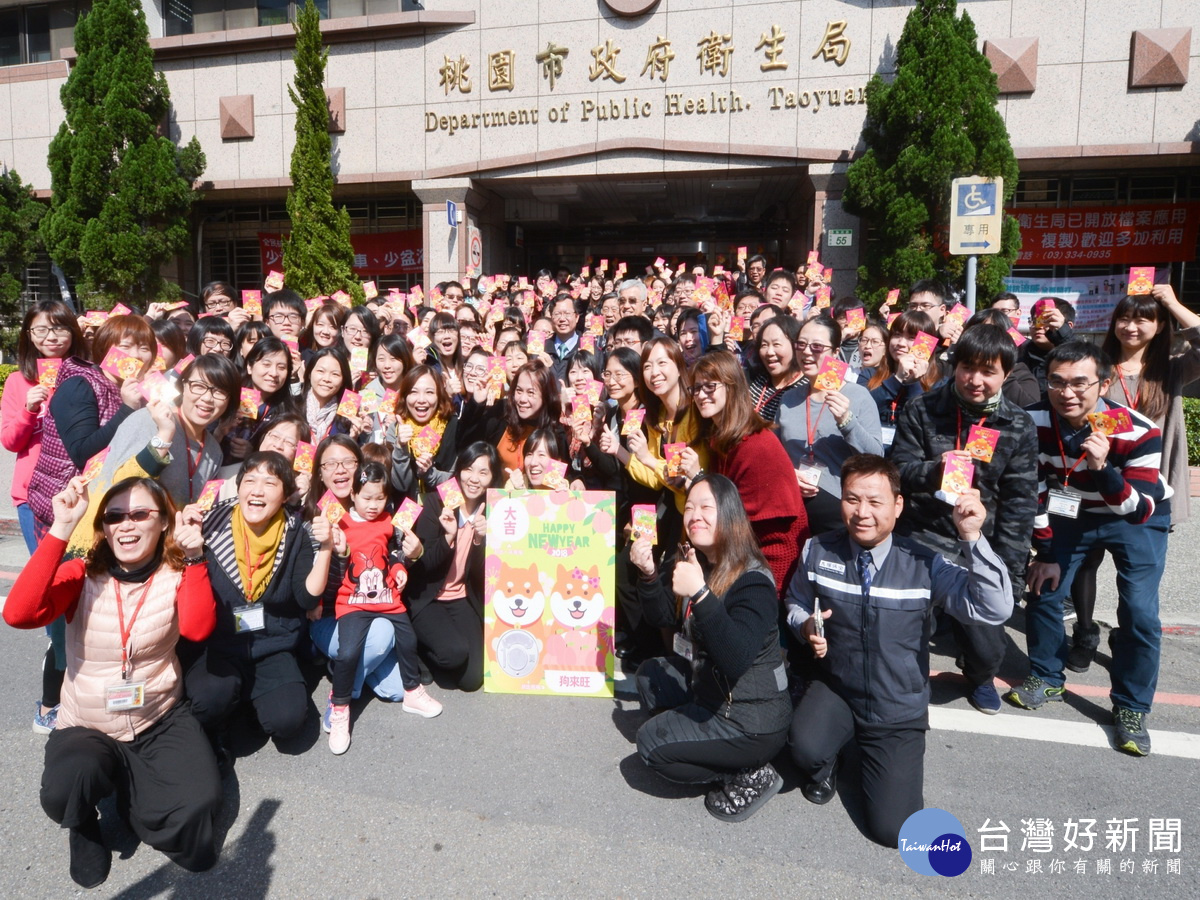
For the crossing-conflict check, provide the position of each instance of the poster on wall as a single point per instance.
(550, 592)
(387, 253)
(1094, 297)
(1140, 235)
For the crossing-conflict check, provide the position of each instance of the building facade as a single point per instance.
(564, 129)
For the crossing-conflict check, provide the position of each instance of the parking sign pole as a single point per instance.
(972, 264)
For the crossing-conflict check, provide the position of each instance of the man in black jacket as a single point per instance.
(876, 590)
(936, 427)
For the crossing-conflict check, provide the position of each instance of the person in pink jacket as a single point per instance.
(49, 334)
(124, 727)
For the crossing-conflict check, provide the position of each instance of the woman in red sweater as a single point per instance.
(123, 727)
(752, 458)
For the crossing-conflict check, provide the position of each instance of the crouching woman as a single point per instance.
(721, 708)
(124, 727)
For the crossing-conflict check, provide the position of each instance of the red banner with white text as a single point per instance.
(389, 253)
(1142, 234)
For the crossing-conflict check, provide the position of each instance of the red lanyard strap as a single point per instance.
(1132, 401)
(126, 632)
(808, 418)
(1063, 453)
(251, 566)
(958, 431)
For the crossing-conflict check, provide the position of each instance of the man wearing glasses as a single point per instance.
(284, 313)
(1096, 490)
(563, 319)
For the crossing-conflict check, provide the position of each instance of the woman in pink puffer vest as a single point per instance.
(124, 727)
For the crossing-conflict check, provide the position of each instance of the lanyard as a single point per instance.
(958, 432)
(770, 392)
(127, 631)
(1063, 453)
(1131, 401)
(808, 419)
(251, 567)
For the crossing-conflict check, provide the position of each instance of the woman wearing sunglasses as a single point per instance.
(170, 440)
(123, 728)
(821, 428)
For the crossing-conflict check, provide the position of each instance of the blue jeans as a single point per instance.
(57, 630)
(377, 667)
(1139, 553)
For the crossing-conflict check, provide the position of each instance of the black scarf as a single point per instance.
(141, 573)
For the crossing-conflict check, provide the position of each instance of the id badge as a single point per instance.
(683, 647)
(809, 473)
(887, 434)
(125, 696)
(1063, 503)
(248, 618)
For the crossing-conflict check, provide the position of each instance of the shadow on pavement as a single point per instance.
(244, 871)
(640, 778)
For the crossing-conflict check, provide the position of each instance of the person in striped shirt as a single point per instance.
(1096, 490)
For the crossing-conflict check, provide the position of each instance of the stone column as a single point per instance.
(446, 252)
(829, 182)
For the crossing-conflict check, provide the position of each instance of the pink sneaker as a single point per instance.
(418, 701)
(339, 729)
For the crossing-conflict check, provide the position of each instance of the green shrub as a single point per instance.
(6, 370)
(1191, 423)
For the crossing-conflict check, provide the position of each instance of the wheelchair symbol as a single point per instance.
(976, 199)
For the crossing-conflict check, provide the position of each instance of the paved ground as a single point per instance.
(522, 796)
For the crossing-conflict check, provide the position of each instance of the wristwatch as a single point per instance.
(159, 444)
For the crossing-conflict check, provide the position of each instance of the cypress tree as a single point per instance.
(936, 121)
(318, 257)
(20, 213)
(121, 190)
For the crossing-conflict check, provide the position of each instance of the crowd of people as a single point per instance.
(217, 497)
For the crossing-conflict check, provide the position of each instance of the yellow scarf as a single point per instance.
(255, 554)
(437, 423)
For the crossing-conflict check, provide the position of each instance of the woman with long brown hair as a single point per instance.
(746, 452)
(902, 375)
(123, 727)
(722, 703)
(1150, 378)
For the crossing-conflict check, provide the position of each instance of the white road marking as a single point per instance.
(1035, 728)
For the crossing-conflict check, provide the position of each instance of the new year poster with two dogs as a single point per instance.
(549, 593)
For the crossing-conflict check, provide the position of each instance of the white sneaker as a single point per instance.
(339, 730)
(419, 702)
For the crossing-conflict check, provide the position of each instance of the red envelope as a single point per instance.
(924, 345)
(981, 442)
(831, 376)
(645, 522)
(1141, 280)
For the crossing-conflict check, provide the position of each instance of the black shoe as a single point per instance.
(744, 795)
(91, 861)
(821, 792)
(1129, 732)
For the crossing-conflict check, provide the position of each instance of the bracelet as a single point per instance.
(194, 560)
(700, 593)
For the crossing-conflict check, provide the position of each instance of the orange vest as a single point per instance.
(94, 654)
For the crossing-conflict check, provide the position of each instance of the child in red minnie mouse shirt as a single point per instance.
(372, 590)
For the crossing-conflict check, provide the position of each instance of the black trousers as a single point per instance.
(218, 684)
(893, 758)
(166, 782)
(690, 743)
(452, 635)
(352, 637)
(982, 647)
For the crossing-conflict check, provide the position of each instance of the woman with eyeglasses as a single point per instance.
(820, 429)
(49, 332)
(775, 365)
(281, 434)
(746, 452)
(170, 439)
(902, 375)
(123, 728)
(219, 298)
(212, 334)
(360, 331)
(872, 348)
(268, 569)
(87, 407)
